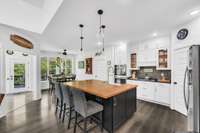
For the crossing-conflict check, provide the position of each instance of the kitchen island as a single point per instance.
(119, 101)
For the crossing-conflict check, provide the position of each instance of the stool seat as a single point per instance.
(87, 109)
(93, 108)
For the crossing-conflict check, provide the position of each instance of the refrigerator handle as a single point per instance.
(184, 88)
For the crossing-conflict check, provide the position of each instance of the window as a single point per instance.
(52, 65)
(55, 65)
(19, 75)
(67, 67)
(44, 68)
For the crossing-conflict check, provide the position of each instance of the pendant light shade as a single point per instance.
(100, 35)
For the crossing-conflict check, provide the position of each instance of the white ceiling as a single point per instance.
(126, 20)
(31, 15)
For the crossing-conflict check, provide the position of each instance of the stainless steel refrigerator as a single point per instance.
(192, 89)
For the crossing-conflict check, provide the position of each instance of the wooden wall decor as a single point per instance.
(20, 41)
(1, 98)
(88, 62)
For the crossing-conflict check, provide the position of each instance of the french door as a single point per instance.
(18, 75)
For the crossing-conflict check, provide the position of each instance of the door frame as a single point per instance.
(173, 91)
(10, 71)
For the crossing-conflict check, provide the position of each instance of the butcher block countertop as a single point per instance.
(100, 88)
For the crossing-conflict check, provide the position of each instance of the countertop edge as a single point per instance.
(149, 81)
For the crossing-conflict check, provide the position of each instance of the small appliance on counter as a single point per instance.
(133, 75)
(120, 74)
(163, 79)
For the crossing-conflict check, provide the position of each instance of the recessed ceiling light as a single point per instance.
(195, 12)
(155, 34)
(99, 43)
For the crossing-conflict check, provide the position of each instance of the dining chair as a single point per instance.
(73, 76)
(59, 98)
(51, 85)
(68, 103)
(87, 109)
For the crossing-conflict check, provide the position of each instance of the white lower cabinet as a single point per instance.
(147, 91)
(152, 91)
(162, 93)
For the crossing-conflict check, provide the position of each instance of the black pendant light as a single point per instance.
(103, 30)
(100, 12)
(101, 27)
(64, 52)
(81, 29)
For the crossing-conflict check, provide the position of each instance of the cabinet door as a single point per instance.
(119, 109)
(163, 93)
(121, 55)
(163, 58)
(148, 91)
(130, 102)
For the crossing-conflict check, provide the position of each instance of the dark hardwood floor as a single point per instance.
(39, 117)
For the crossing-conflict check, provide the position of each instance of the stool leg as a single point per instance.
(61, 109)
(101, 121)
(56, 105)
(70, 117)
(64, 113)
(75, 122)
(85, 125)
(52, 88)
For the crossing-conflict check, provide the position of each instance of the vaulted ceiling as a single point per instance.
(126, 20)
(31, 15)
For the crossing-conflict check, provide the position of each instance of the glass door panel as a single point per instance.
(19, 76)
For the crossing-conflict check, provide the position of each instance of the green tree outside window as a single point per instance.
(44, 68)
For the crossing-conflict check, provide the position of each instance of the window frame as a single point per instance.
(48, 64)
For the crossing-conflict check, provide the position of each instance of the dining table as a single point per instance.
(63, 78)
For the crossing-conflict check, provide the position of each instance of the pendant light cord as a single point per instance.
(81, 29)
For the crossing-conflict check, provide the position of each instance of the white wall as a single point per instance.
(192, 38)
(108, 55)
(193, 35)
(80, 73)
(7, 44)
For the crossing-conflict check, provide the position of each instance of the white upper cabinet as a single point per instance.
(147, 51)
(147, 57)
(163, 61)
(120, 54)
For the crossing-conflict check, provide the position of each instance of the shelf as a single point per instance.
(88, 65)
(163, 68)
(162, 59)
(133, 68)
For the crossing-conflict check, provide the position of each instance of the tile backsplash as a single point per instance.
(151, 72)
